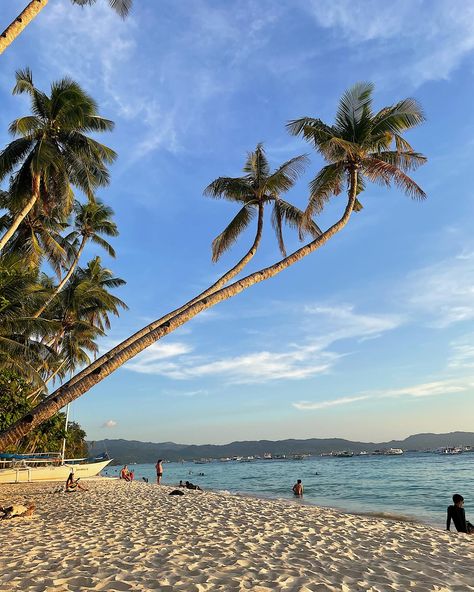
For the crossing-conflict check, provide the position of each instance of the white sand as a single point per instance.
(134, 536)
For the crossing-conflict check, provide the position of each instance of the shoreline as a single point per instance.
(134, 536)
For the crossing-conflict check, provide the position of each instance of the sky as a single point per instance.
(369, 338)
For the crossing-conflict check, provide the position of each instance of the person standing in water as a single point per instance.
(298, 488)
(159, 470)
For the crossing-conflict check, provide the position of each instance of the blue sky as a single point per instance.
(369, 338)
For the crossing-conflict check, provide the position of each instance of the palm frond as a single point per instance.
(328, 182)
(229, 235)
(379, 171)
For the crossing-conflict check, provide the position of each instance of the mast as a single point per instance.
(63, 451)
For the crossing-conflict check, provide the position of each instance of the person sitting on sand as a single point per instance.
(189, 485)
(298, 488)
(125, 473)
(457, 514)
(73, 484)
(17, 511)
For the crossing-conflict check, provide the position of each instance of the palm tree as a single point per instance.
(51, 151)
(37, 238)
(92, 220)
(22, 338)
(254, 190)
(122, 7)
(362, 144)
(359, 141)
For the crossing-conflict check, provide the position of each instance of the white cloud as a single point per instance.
(109, 424)
(150, 360)
(462, 353)
(444, 291)
(432, 38)
(307, 358)
(427, 389)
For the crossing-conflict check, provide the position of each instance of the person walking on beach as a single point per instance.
(159, 470)
(457, 514)
(298, 488)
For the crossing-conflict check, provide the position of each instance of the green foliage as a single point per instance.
(49, 326)
(256, 189)
(14, 404)
(362, 140)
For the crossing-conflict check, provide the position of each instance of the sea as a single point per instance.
(416, 486)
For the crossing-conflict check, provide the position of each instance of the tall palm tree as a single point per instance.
(52, 152)
(359, 141)
(122, 7)
(361, 144)
(92, 220)
(257, 188)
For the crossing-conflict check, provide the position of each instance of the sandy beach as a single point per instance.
(134, 536)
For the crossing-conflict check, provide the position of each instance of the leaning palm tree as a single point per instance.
(52, 152)
(122, 7)
(253, 191)
(361, 143)
(92, 220)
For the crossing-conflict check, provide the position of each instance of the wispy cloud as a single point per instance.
(444, 291)
(430, 38)
(462, 353)
(427, 389)
(309, 357)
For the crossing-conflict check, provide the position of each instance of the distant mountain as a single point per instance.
(128, 451)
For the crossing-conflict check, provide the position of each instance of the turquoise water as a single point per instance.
(413, 485)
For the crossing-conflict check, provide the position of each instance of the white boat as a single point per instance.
(27, 468)
(393, 451)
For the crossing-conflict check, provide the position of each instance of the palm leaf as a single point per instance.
(229, 235)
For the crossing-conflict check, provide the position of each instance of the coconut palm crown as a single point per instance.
(257, 188)
(370, 143)
(51, 151)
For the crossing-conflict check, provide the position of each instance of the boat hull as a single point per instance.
(28, 474)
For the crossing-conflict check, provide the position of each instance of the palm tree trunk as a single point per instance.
(22, 215)
(222, 281)
(64, 281)
(21, 21)
(69, 392)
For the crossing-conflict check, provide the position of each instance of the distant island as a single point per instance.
(128, 451)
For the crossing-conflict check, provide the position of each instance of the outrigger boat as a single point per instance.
(48, 466)
(25, 468)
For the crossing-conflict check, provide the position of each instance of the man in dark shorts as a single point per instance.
(159, 470)
(457, 514)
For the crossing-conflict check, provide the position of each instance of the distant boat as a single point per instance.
(363, 453)
(202, 461)
(449, 450)
(393, 451)
(344, 454)
(26, 468)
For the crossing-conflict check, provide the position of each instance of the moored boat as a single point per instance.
(26, 468)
